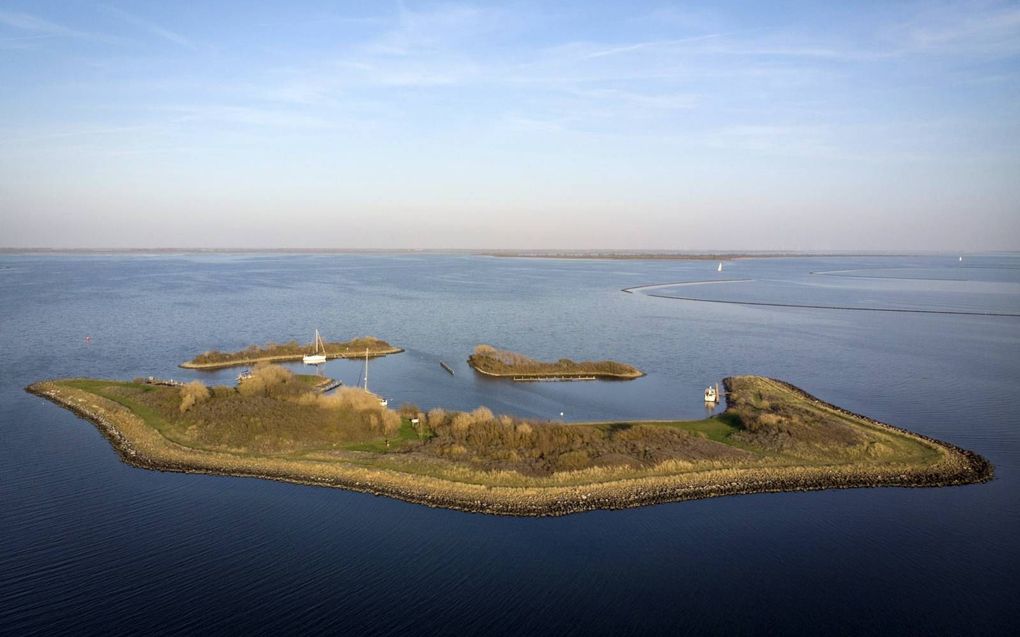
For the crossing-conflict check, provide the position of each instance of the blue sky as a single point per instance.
(785, 125)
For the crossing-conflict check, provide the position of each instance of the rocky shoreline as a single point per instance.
(140, 445)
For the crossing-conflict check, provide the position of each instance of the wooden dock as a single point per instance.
(329, 386)
(169, 382)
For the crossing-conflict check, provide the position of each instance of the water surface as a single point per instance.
(90, 544)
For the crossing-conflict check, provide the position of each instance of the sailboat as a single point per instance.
(719, 269)
(318, 356)
(712, 394)
(382, 401)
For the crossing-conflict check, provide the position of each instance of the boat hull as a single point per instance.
(315, 359)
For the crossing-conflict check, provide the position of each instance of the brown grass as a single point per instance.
(497, 362)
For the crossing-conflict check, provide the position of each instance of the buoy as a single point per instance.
(88, 339)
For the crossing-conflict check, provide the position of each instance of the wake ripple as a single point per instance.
(642, 288)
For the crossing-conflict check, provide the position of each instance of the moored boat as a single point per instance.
(318, 355)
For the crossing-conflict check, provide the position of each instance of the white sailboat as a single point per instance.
(719, 269)
(712, 394)
(318, 356)
(382, 401)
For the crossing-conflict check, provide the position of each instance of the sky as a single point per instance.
(535, 125)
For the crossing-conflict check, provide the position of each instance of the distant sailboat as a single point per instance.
(316, 358)
(719, 269)
(382, 401)
(961, 259)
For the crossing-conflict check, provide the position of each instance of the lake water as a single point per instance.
(90, 545)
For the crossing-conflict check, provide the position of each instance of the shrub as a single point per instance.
(265, 380)
(192, 394)
(497, 361)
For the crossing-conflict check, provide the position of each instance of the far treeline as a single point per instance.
(291, 350)
(497, 362)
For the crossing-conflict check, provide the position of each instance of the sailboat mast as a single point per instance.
(366, 369)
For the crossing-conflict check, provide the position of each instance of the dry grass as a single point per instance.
(497, 362)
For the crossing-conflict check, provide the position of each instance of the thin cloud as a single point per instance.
(654, 44)
(151, 27)
(42, 27)
(27, 22)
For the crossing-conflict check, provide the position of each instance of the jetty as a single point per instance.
(499, 363)
(330, 386)
(293, 351)
(166, 382)
(551, 379)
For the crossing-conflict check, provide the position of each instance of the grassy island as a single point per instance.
(771, 437)
(490, 361)
(291, 351)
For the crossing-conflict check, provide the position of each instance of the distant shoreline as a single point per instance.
(601, 253)
(625, 255)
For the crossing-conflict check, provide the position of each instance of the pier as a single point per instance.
(330, 386)
(169, 382)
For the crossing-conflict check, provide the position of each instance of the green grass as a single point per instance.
(404, 437)
(101, 388)
(717, 429)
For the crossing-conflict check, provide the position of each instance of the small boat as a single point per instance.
(719, 269)
(243, 376)
(712, 394)
(382, 401)
(318, 355)
(961, 259)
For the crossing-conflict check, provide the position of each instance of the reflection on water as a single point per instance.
(92, 545)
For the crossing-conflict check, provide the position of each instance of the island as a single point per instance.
(771, 437)
(491, 361)
(291, 351)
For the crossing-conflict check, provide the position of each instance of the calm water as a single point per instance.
(88, 544)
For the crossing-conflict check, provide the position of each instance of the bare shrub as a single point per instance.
(192, 394)
(572, 460)
(265, 379)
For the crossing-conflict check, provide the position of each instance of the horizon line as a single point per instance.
(508, 251)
